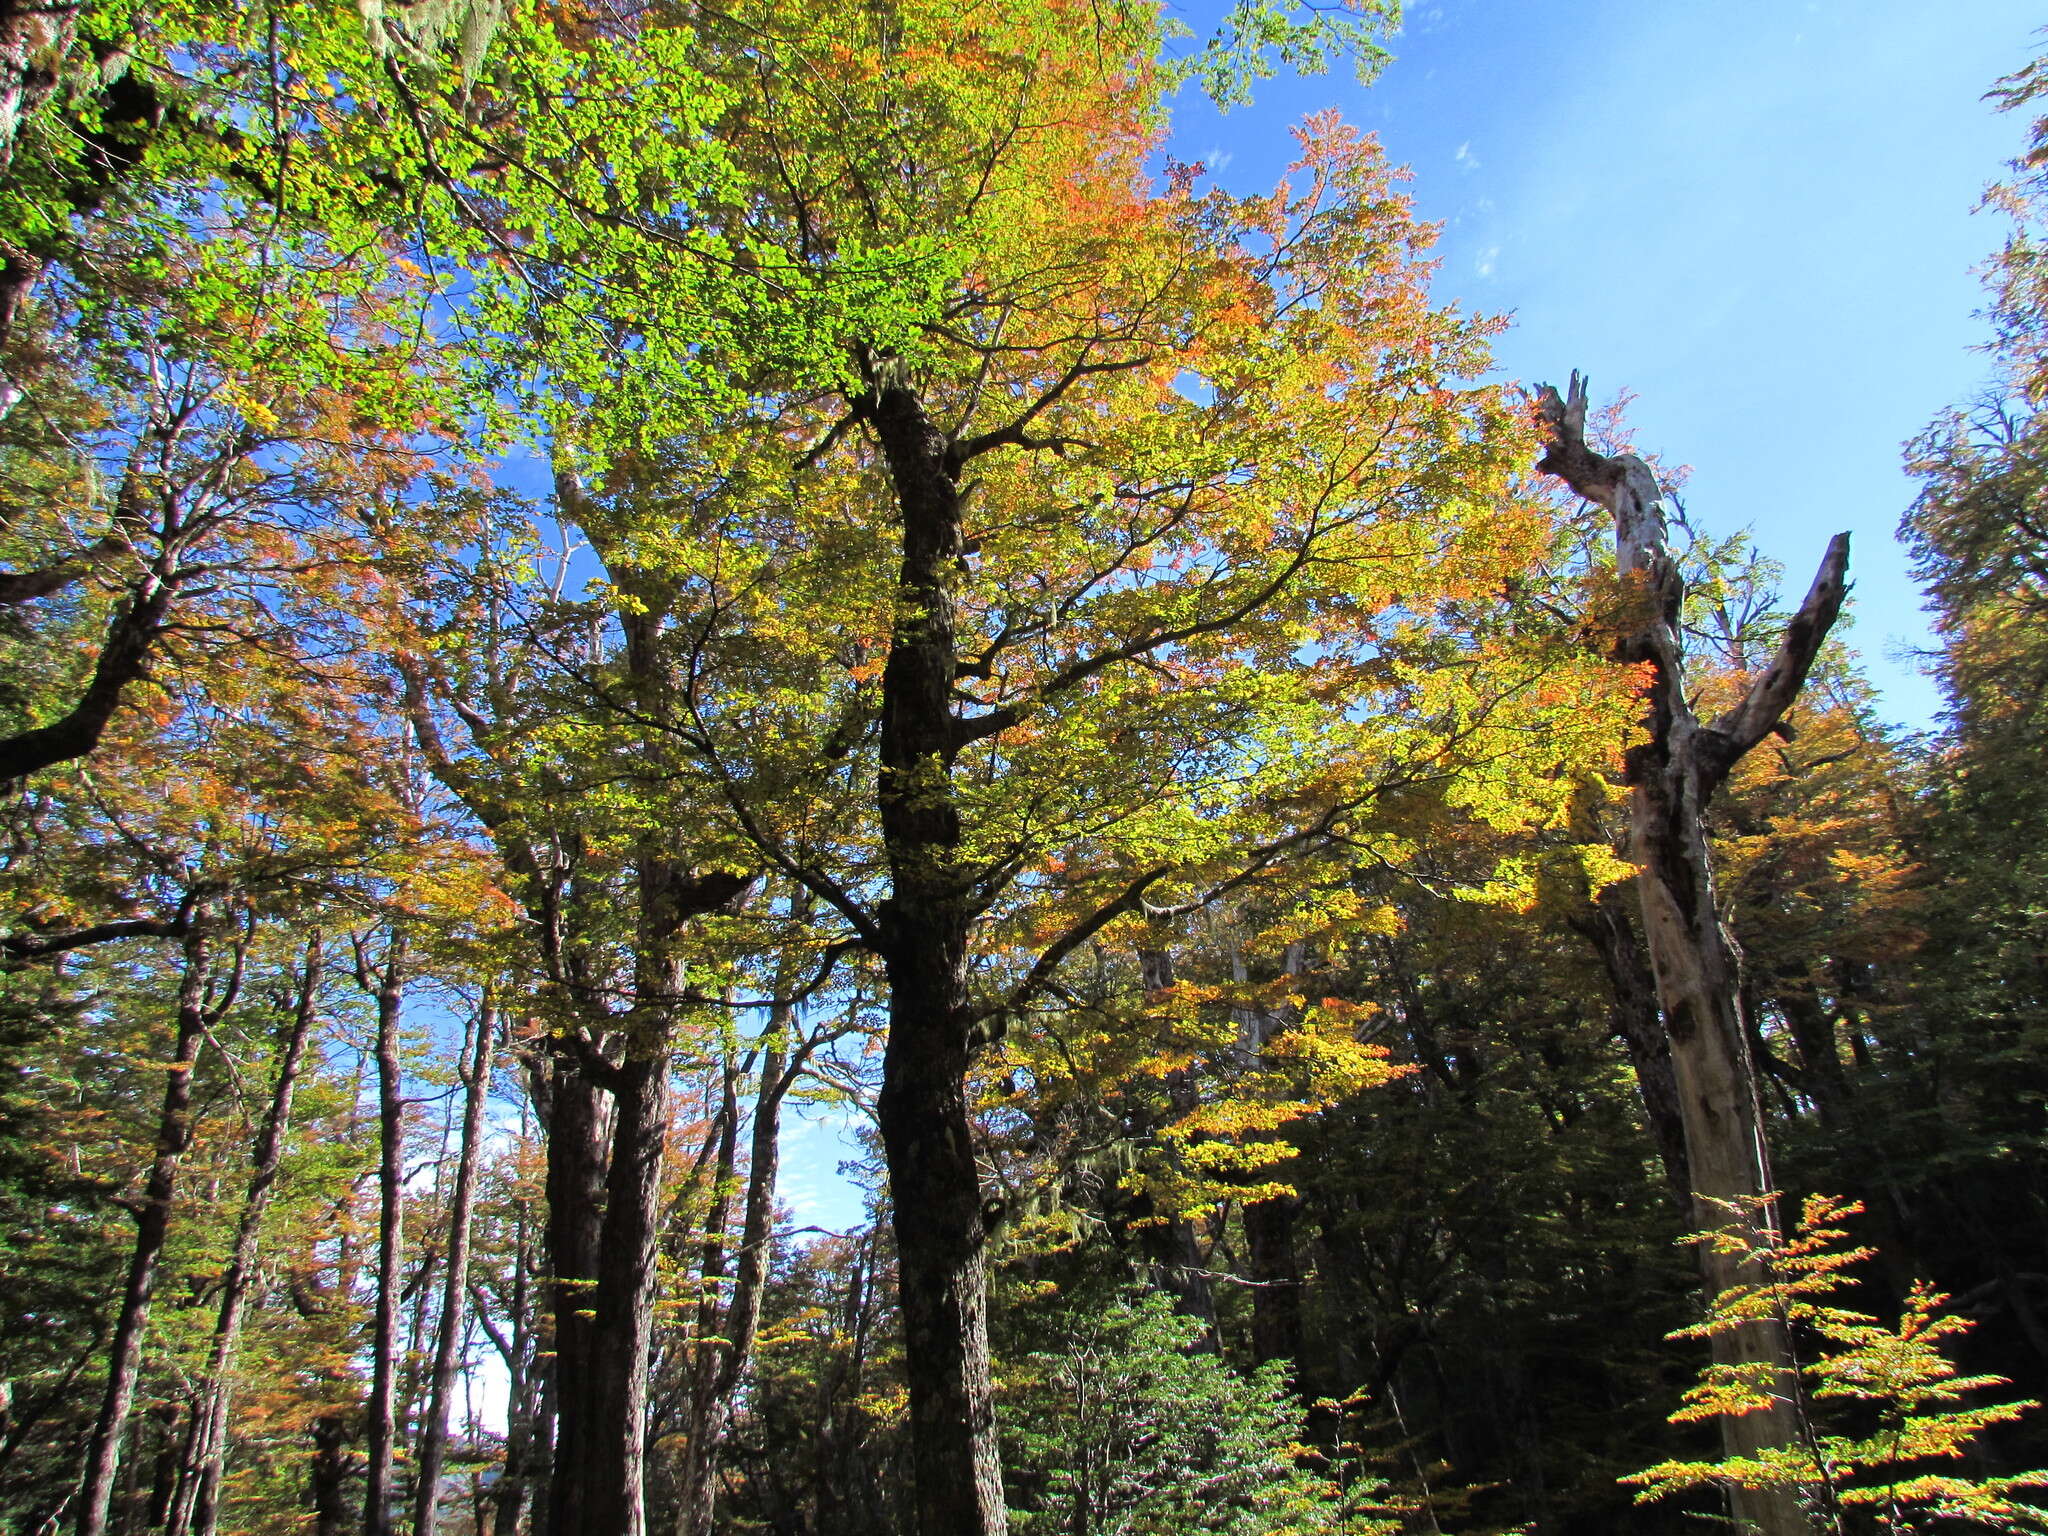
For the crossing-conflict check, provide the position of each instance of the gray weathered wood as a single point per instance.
(1672, 774)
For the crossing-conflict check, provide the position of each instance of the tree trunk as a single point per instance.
(934, 1183)
(611, 1500)
(1269, 1224)
(608, 1499)
(152, 1224)
(1672, 775)
(718, 1373)
(455, 1281)
(576, 1135)
(35, 36)
(1637, 1022)
(381, 1428)
(514, 1487)
(195, 1505)
(1276, 1280)
(327, 1478)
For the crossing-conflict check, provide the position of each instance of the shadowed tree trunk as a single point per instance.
(1275, 1270)
(574, 1118)
(197, 1011)
(726, 1334)
(610, 1499)
(476, 1083)
(327, 1477)
(1672, 776)
(195, 1503)
(1637, 1022)
(513, 1491)
(1276, 1280)
(934, 1182)
(381, 1428)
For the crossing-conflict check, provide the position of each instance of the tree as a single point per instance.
(1917, 1410)
(1023, 652)
(1124, 1429)
(1672, 776)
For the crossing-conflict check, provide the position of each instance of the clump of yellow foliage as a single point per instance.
(1899, 1473)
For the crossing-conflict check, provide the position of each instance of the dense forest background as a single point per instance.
(576, 579)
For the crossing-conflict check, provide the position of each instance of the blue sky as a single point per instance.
(1756, 217)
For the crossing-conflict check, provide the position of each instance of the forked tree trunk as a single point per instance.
(195, 1502)
(934, 1182)
(453, 1321)
(1672, 775)
(152, 1227)
(381, 1420)
(601, 1490)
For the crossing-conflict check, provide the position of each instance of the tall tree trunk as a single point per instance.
(513, 1491)
(574, 1117)
(455, 1280)
(695, 1465)
(1672, 775)
(717, 1372)
(195, 1505)
(612, 1498)
(597, 1488)
(1637, 1021)
(609, 1497)
(934, 1183)
(1276, 1280)
(327, 1477)
(1269, 1224)
(381, 1420)
(152, 1225)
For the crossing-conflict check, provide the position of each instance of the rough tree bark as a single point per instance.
(934, 1183)
(198, 1009)
(514, 1487)
(1672, 776)
(574, 1116)
(476, 1083)
(35, 37)
(726, 1334)
(607, 1499)
(195, 1502)
(381, 1430)
(1602, 920)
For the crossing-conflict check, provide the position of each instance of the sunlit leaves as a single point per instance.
(1915, 1400)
